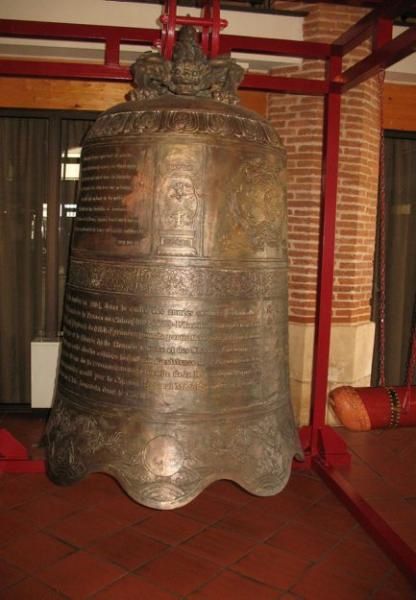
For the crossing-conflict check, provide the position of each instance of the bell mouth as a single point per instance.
(165, 461)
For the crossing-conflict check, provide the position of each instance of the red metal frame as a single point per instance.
(14, 457)
(324, 448)
(209, 22)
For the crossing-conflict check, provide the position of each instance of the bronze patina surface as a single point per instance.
(174, 364)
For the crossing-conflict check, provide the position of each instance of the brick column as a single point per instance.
(298, 120)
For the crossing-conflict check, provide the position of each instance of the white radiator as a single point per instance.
(44, 363)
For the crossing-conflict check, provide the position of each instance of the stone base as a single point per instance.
(351, 356)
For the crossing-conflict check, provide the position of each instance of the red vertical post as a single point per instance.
(330, 159)
(112, 50)
(383, 33)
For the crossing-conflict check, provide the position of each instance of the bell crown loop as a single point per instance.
(189, 73)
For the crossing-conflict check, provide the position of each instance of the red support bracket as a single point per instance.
(209, 23)
(326, 445)
(14, 457)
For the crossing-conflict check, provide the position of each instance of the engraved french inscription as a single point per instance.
(115, 200)
(163, 351)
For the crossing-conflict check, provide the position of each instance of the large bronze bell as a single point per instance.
(174, 363)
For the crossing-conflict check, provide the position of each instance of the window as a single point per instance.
(400, 267)
(39, 171)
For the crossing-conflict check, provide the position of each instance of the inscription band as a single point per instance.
(148, 280)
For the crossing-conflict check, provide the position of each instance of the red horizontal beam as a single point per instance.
(196, 21)
(289, 85)
(72, 31)
(382, 58)
(241, 43)
(357, 34)
(66, 70)
(75, 31)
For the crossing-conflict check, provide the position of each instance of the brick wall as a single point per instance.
(298, 120)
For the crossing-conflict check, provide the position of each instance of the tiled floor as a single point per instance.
(91, 541)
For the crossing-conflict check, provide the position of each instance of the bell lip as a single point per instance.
(254, 488)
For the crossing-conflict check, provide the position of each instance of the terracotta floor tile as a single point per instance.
(393, 594)
(360, 470)
(306, 487)
(394, 509)
(372, 486)
(253, 522)
(229, 491)
(132, 587)
(286, 504)
(397, 439)
(395, 586)
(272, 567)
(85, 526)
(375, 454)
(232, 586)
(321, 583)
(178, 572)
(100, 481)
(402, 477)
(17, 490)
(331, 501)
(34, 551)
(303, 542)
(406, 529)
(399, 456)
(80, 575)
(36, 483)
(302, 523)
(13, 526)
(121, 507)
(45, 510)
(85, 493)
(30, 589)
(359, 561)
(127, 548)
(207, 508)
(218, 546)
(333, 520)
(198, 595)
(360, 536)
(9, 574)
(169, 527)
